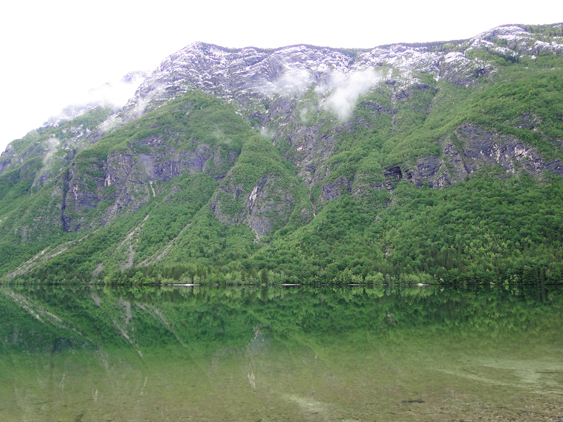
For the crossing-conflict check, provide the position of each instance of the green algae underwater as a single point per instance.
(77, 353)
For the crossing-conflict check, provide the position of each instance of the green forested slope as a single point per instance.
(443, 183)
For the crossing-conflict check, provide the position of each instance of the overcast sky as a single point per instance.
(53, 52)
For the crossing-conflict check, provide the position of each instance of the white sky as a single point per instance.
(54, 51)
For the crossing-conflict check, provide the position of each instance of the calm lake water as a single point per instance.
(281, 354)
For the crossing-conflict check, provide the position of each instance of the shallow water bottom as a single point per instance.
(357, 378)
(281, 354)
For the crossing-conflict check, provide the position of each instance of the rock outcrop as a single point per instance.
(474, 149)
(278, 134)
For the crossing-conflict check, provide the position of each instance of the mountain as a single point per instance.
(110, 95)
(436, 162)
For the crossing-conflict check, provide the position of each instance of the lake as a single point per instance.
(274, 353)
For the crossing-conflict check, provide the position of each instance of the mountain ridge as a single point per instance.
(224, 156)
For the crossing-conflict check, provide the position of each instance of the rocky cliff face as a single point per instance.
(475, 149)
(247, 74)
(280, 133)
(284, 92)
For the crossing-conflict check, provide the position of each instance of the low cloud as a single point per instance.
(346, 89)
(51, 144)
(267, 133)
(303, 114)
(141, 103)
(221, 137)
(114, 94)
(341, 90)
(291, 82)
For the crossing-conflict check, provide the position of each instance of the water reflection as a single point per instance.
(278, 353)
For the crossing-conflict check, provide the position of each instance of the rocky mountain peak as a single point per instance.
(258, 159)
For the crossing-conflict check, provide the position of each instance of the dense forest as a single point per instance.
(430, 180)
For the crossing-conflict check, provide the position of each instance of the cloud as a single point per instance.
(51, 144)
(267, 133)
(346, 89)
(303, 114)
(114, 94)
(292, 82)
(141, 103)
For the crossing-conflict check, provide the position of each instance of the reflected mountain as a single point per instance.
(279, 353)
